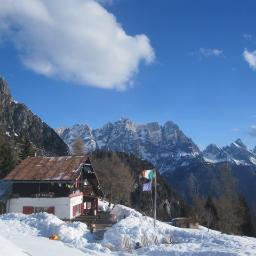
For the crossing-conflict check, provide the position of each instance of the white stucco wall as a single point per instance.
(63, 205)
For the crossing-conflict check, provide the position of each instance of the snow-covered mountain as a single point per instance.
(175, 155)
(166, 146)
(236, 153)
(205, 175)
(215, 154)
(240, 153)
(69, 135)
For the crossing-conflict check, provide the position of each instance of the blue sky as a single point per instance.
(197, 73)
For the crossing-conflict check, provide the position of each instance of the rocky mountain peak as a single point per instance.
(18, 122)
(5, 95)
(83, 131)
(125, 123)
(163, 145)
(239, 143)
(213, 148)
(240, 154)
(81, 127)
(214, 154)
(170, 126)
(171, 131)
(153, 126)
(3, 87)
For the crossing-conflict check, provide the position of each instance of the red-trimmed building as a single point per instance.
(66, 186)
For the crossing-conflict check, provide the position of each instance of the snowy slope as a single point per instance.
(19, 245)
(140, 228)
(31, 233)
(9, 248)
(22, 235)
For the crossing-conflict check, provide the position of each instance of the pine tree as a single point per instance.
(7, 157)
(211, 215)
(26, 149)
(228, 205)
(247, 227)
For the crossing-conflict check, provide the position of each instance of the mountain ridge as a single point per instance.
(156, 143)
(151, 141)
(19, 122)
(175, 155)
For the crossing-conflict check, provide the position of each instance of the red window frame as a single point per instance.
(28, 209)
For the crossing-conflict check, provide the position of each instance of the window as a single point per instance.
(88, 205)
(44, 209)
(28, 209)
(31, 209)
(77, 210)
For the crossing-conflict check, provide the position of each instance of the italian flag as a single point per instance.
(148, 174)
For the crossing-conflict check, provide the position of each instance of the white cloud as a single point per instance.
(207, 52)
(73, 40)
(250, 57)
(210, 52)
(252, 130)
(106, 2)
(247, 36)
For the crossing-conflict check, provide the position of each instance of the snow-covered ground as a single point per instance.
(22, 235)
(31, 233)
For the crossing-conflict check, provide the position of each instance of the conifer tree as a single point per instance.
(26, 149)
(247, 227)
(227, 204)
(211, 215)
(7, 157)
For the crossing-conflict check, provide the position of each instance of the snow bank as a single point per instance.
(156, 241)
(133, 227)
(122, 212)
(45, 224)
(74, 234)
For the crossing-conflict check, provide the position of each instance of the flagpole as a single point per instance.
(155, 202)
